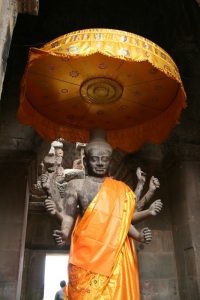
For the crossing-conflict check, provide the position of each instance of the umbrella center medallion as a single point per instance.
(101, 90)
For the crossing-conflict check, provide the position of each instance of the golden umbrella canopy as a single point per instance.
(102, 78)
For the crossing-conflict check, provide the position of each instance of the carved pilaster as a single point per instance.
(48, 177)
(8, 16)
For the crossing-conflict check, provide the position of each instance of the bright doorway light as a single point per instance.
(56, 266)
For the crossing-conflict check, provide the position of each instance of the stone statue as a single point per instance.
(53, 180)
(153, 185)
(100, 212)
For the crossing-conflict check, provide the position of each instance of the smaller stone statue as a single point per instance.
(53, 180)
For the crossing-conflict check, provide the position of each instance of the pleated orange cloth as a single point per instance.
(65, 293)
(103, 263)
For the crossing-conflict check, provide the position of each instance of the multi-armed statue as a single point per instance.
(101, 212)
(101, 78)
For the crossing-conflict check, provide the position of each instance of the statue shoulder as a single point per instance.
(75, 184)
(122, 184)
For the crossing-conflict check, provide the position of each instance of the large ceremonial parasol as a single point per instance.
(102, 78)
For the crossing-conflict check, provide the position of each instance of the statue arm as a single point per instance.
(141, 176)
(68, 216)
(153, 185)
(51, 208)
(154, 209)
(144, 236)
(144, 200)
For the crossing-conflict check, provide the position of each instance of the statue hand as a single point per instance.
(154, 184)
(141, 176)
(50, 206)
(45, 181)
(59, 237)
(146, 235)
(44, 178)
(155, 207)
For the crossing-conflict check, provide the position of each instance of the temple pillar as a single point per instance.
(8, 16)
(157, 263)
(13, 217)
(183, 175)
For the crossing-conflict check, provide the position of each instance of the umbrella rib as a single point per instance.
(49, 104)
(173, 97)
(139, 104)
(69, 125)
(54, 78)
(117, 69)
(142, 82)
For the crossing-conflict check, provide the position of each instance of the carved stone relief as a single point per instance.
(54, 177)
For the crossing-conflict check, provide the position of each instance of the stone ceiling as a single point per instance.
(174, 25)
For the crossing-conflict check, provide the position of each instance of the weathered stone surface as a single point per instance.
(9, 265)
(184, 189)
(166, 289)
(34, 288)
(157, 266)
(14, 234)
(8, 15)
(197, 256)
(189, 288)
(8, 290)
(39, 231)
(13, 189)
(162, 242)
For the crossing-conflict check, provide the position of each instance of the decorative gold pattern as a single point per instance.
(131, 65)
(101, 90)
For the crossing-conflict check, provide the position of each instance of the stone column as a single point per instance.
(33, 277)
(8, 16)
(13, 214)
(184, 194)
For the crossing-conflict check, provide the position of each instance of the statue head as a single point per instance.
(54, 157)
(98, 154)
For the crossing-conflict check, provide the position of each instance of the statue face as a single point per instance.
(54, 157)
(98, 160)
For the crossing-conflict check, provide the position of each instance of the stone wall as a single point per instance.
(13, 182)
(157, 264)
(12, 227)
(8, 16)
(33, 277)
(184, 191)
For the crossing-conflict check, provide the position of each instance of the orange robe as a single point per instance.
(103, 262)
(65, 293)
